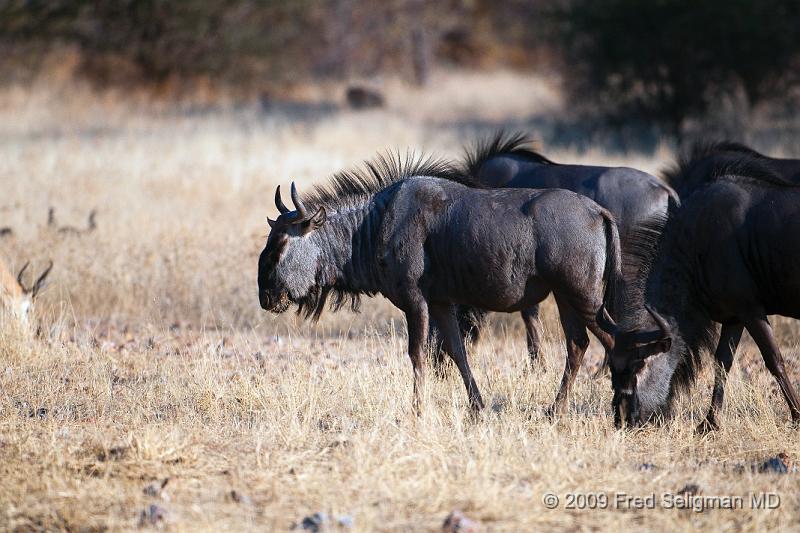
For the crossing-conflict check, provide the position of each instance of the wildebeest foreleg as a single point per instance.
(577, 342)
(761, 331)
(417, 322)
(453, 342)
(729, 339)
(530, 317)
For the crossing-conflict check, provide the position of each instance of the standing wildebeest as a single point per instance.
(729, 255)
(404, 228)
(705, 158)
(504, 161)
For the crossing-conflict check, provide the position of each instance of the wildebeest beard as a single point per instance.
(313, 304)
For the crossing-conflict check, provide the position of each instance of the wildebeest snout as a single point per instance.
(626, 410)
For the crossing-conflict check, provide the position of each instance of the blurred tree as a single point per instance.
(666, 60)
(122, 41)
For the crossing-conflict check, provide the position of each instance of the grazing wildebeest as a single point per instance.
(729, 255)
(15, 296)
(505, 161)
(705, 158)
(404, 228)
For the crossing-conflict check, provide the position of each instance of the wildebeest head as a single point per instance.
(289, 264)
(641, 368)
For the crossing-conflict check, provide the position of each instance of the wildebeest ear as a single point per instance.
(318, 219)
(655, 348)
(271, 222)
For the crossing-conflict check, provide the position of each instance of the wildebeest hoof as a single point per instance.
(706, 427)
(553, 412)
(602, 372)
(440, 370)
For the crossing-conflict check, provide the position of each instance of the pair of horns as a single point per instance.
(298, 204)
(38, 284)
(608, 325)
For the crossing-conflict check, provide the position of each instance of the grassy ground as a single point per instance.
(156, 365)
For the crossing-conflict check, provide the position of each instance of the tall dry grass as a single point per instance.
(155, 362)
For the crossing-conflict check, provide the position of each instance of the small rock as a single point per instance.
(778, 465)
(238, 497)
(152, 516)
(499, 404)
(690, 489)
(346, 521)
(456, 522)
(313, 523)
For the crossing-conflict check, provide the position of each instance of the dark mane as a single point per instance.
(352, 187)
(643, 249)
(705, 148)
(348, 187)
(707, 162)
(502, 143)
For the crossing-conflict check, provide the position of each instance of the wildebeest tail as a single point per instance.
(613, 267)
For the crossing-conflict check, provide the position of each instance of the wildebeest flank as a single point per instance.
(506, 161)
(729, 255)
(402, 229)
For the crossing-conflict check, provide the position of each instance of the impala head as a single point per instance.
(19, 298)
(289, 264)
(641, 369)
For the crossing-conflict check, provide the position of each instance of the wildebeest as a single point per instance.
(506, 161)
(16, 298)
(360, 97)
(704, 160)
(729, 255)
(404, 228)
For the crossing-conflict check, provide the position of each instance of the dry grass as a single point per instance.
(156, 362)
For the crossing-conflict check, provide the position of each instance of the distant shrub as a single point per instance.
(664, 61)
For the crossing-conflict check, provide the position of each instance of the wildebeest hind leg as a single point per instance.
(761, 332)
(729, 339)
(577, 342)
(530, 317)
(436, 348)
(453, 343)
(470, 322)
(417, 322)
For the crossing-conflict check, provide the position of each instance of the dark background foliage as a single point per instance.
(659, 62)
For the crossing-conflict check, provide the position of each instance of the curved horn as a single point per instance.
(660, 320)
(21, 273)
(40, 281)
(298, 204)
(279, 203)
(605, 321)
